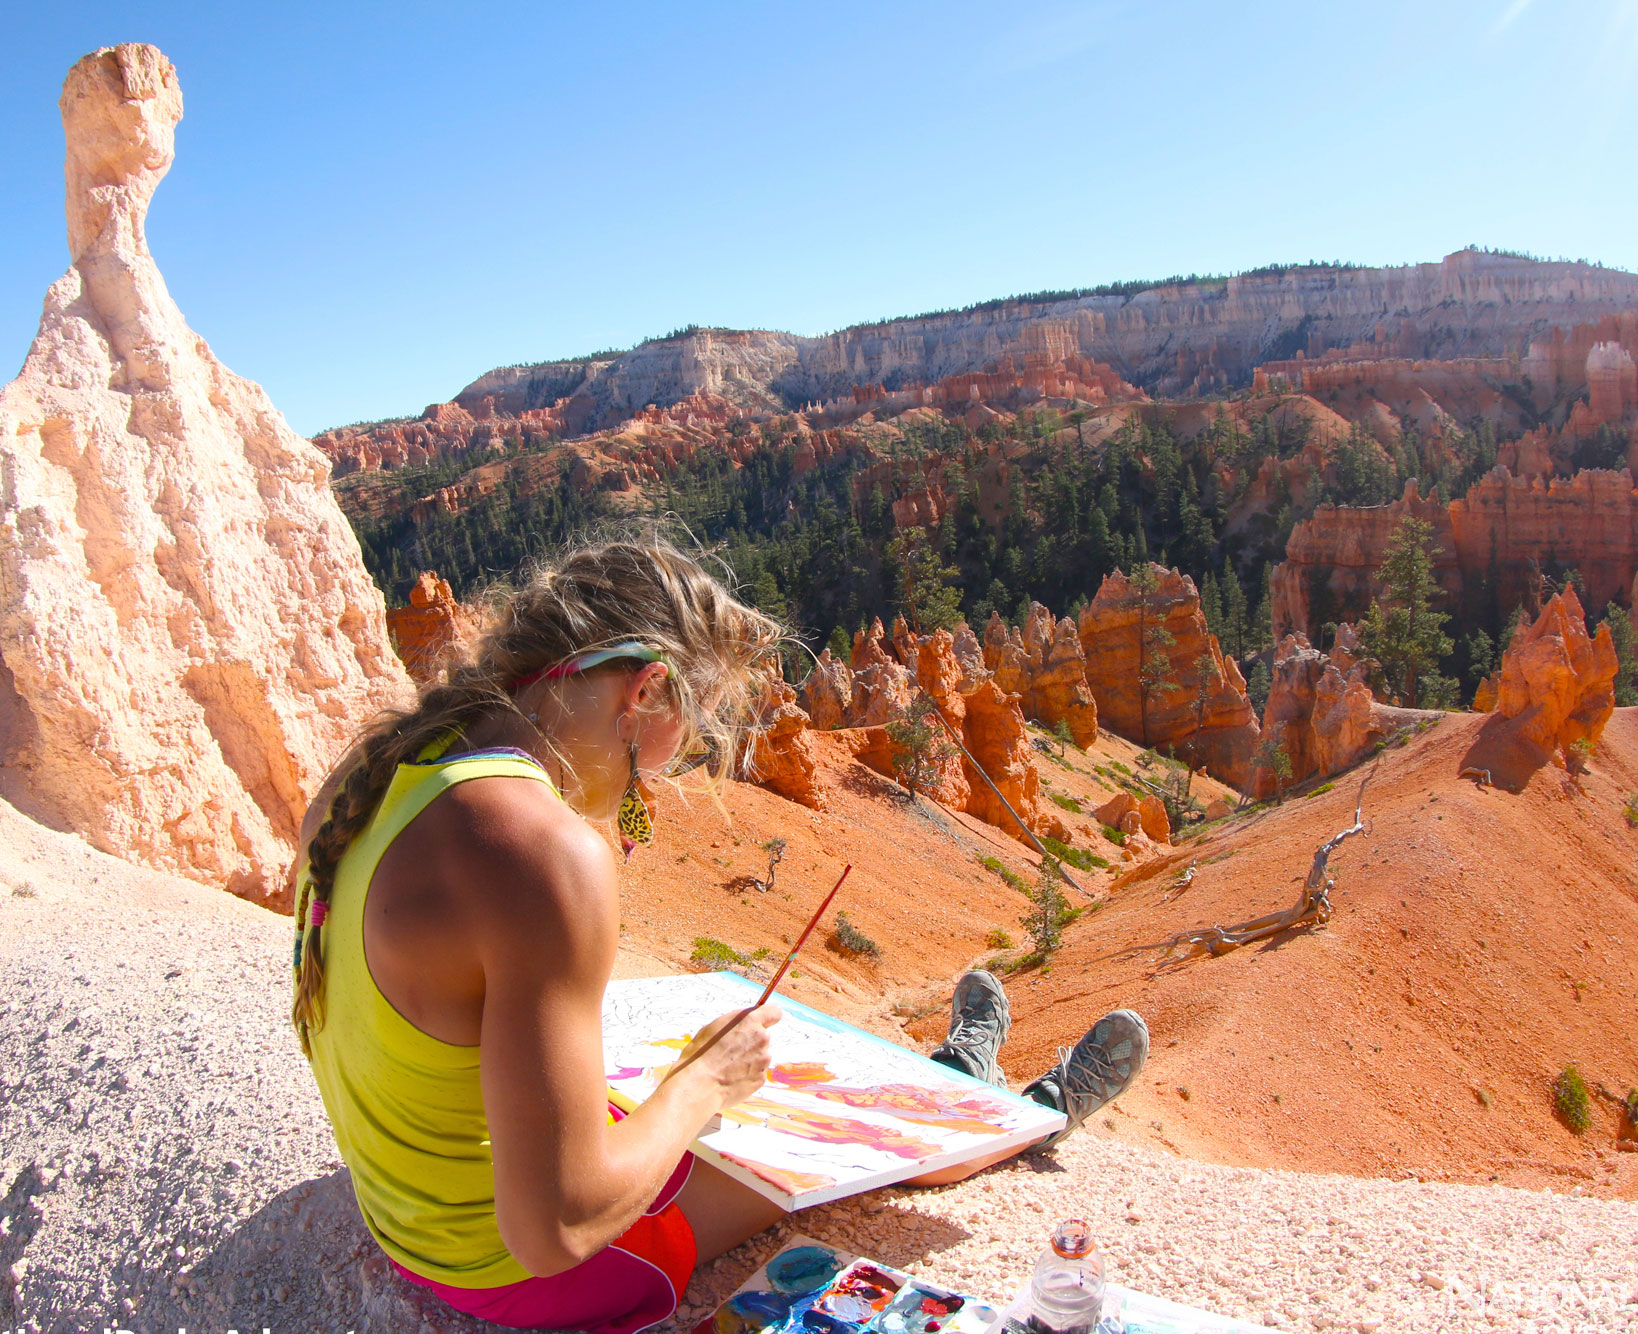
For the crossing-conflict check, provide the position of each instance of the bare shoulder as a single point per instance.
(524, 867)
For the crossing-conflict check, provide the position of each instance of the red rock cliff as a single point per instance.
(1502, 531)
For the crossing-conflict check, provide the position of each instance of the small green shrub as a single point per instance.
(1630, 810)
(1016, 881)
(1578, 755)
(998, 939)
(1067, 802)
(850, 940)
(1632, 1107)
(1064, 853)
(1322, 788)
(1571, 1100)
(1115, 836)
(715, 954)
(1118, 765)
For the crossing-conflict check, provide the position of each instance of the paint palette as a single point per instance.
(813, 1288)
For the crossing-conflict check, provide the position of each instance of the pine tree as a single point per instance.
(926, 593)
(1402, 631)
(1626, 654)
(1211, 604)
(1235, 617)
(1272, 755)
(1048, 910)
(919, 746)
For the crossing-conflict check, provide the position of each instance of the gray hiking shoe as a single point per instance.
(979, 1020)
(1095, 1072)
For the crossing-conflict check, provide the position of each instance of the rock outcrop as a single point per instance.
(1202, 716)
(881, 684)
(886, 675)
(827, 694)
(993, 731)
(1496, 539)
(1323, 712)
(1044, 664)
(782, 748)
(189, 635)
(431, 625)
(1556, 683)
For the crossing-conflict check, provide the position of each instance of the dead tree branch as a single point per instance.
(1312, 905)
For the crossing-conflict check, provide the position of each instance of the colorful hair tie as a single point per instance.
(321, 910)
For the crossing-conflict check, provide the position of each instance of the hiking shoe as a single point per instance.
(1096, 1071)
(979, 1020)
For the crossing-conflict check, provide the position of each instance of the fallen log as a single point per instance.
(1313, 905)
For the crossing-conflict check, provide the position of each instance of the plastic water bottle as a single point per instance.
(1066, 1291)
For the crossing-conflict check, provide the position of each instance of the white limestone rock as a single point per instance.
(189, 637)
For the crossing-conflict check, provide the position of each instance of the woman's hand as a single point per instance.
(733, 1052)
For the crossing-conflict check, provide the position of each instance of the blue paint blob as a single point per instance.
(805, 1269)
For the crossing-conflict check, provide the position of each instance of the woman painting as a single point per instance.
(458, 918)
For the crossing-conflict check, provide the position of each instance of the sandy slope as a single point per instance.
(166, 1164)
(1483, 940)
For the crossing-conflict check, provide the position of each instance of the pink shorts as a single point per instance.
(632, 1283)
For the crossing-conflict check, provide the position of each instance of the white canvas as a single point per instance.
(843, 1111)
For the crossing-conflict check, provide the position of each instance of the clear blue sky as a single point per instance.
(373, 203)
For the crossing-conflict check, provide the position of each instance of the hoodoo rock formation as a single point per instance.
(432, 624)
(1323, 713)
(782, 748)
(189, 635)
(886, 676)
(1044, 664)
(1202, 716)
(1495, 539)
(1556, 684)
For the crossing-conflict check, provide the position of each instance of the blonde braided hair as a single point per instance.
(644, 589)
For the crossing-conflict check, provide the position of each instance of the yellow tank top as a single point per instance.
(407, 1109)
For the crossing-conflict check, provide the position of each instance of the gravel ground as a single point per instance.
(165, 1163)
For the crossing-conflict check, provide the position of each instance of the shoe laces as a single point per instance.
(974, 1026)
(1088, 1075)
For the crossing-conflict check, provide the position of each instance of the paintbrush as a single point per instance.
(769, 989)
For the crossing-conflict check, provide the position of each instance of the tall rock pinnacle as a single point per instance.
(188, 634)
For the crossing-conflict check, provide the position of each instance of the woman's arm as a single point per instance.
(546, 928)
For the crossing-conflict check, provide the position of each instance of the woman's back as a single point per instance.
(407, 1107)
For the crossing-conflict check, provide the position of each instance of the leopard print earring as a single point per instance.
(633, 819)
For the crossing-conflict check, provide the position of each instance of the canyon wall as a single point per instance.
(188, 633)
(1490, 543)
(1162, 339)
(1181, 338)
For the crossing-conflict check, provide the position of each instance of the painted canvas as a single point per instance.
(813, 1288)
(843, 1111)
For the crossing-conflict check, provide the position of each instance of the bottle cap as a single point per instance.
(1072, 1239)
